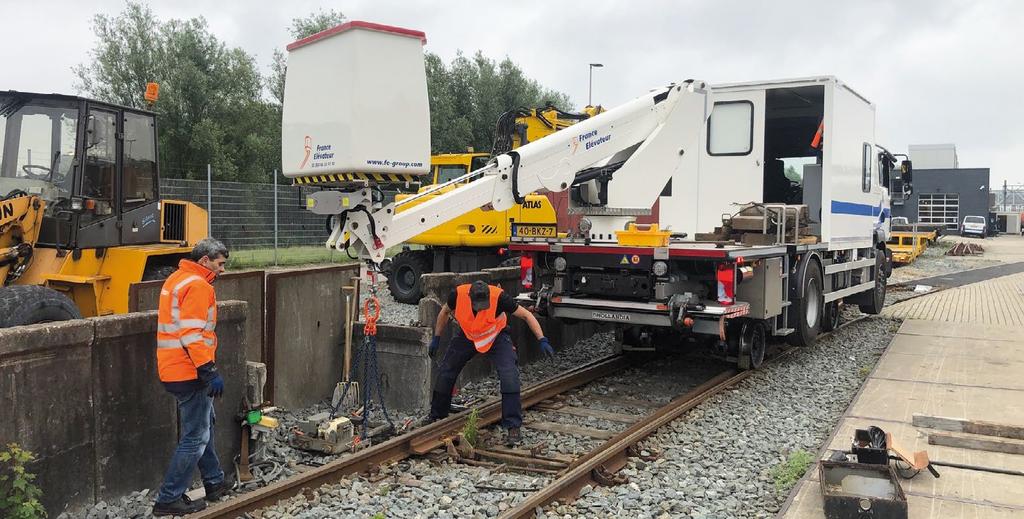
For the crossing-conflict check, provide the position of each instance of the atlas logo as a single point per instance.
(531, 204)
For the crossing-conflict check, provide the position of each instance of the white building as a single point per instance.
(933, 156)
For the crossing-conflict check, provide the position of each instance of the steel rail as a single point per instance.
(614, 453)
(418, 441)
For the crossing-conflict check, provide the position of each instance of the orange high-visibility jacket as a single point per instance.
(185, 337)
(483, 327)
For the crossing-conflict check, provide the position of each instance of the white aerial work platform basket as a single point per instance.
(355, 105)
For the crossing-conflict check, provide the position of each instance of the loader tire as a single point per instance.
(158, 272)
(809, 308)
(510, 262)
(33, 304)
(404, 280)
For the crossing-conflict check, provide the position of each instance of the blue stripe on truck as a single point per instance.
(839, 207)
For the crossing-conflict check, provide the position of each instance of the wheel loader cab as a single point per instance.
(90, 168)
(93, 164)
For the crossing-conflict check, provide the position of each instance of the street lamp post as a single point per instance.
(590, 91)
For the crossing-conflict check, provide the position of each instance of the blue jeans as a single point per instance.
(195, 448)
(505, 359)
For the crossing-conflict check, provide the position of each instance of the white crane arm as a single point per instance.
(641, 132)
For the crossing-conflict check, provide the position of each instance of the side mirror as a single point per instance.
(907, 169)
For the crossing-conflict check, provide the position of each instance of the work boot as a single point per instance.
(183, 506)
(512, 437)
(215, 492)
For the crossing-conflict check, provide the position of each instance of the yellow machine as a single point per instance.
(477, 239)
(80, 213)
(906, 246)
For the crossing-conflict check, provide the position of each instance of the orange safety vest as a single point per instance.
(483, 327)
(187, 318)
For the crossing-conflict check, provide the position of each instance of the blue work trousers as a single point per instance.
(195, 448)
(505, 360)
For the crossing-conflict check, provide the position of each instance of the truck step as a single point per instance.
(786, 303)
(784, 331)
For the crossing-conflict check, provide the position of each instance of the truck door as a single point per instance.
(731, 170)
(140, 210)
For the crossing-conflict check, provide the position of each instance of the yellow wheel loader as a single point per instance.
(478, 239)
(81, 217)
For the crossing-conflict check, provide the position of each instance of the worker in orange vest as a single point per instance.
(482, 312)
(186, 348)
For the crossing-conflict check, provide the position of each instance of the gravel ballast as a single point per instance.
(715, 461)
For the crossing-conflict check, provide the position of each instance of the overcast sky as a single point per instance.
(945, 71)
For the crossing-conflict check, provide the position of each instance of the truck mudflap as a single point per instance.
(697, 317)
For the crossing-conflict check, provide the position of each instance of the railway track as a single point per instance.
(567, 477)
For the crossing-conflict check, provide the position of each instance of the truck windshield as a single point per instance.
(37, 146)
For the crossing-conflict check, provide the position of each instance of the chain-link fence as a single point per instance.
(262, 224)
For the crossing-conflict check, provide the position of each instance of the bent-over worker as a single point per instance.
(482, 312)
(185, 353)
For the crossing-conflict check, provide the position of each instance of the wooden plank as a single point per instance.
(571, 429)
(623, 401)
(941, 423)
(596, 413)
(525, 461)
(977, 442)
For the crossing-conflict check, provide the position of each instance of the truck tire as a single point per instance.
(158, 272)
(404, 280)
(876, 299)
(808, 308)
(32, 304)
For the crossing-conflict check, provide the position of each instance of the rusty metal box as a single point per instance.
(860, 491)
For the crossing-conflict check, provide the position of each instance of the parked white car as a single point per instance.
(974, 225)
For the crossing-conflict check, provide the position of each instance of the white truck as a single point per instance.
(774, 201)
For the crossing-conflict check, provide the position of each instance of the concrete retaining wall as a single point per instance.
(232, 286)
(85, 398)
(305, 322)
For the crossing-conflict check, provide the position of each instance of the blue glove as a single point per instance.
(545, 346)
(216, 386)
(434, 343)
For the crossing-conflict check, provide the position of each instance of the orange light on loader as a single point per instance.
(152, 92)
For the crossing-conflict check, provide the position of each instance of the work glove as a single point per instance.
(216, 386)
(434, 343)
(545, 346)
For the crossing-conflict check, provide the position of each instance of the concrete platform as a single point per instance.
(995, 301)
(960, 370)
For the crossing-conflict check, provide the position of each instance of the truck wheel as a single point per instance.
(830, 321)
(406, 269)
(809, 309)
(877, 297)
(32, 304)
(752, 340)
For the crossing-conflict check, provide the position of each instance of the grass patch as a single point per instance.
(470, 431)
(291, 256)
(864, 371)
(378, 515)
(787, 473)
(261, 258)
(384, 490)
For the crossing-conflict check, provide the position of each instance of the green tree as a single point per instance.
(467, 96)
(210, 110)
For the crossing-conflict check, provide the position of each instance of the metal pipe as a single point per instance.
(209, 196)
(275, 217)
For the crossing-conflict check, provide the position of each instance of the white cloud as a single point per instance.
(939, 71)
